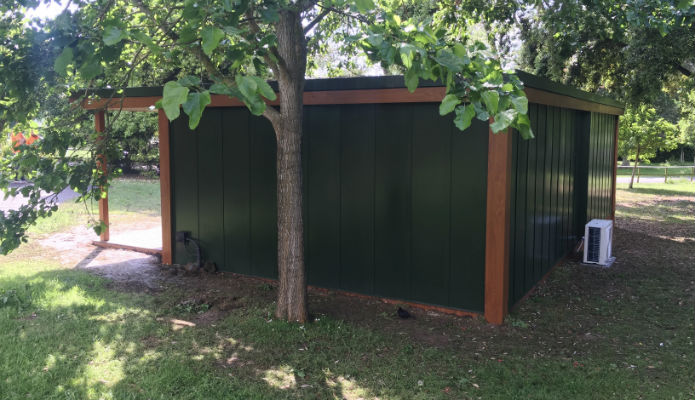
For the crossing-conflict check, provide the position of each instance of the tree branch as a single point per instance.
(316, 20)
(270, 113)
(684, 70)
(255, 29)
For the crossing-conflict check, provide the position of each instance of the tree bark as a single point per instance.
(634, 167)
(291, 47)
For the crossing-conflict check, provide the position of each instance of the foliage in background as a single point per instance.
(135, 138)
(642, 133)
(629, 49)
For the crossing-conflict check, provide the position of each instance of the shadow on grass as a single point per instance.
(67, 336)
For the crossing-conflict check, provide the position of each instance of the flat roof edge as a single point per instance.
(386, 82)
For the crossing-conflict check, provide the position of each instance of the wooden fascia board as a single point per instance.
(365, 96)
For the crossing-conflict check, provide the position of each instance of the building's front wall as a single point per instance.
(394, 199)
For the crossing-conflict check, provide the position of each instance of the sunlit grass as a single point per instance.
(129, 200)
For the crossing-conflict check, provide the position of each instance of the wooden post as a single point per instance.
(497, 226)
(100, 126)
(165, 187)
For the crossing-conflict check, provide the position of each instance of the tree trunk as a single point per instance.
(634, 167)
(291, 47)
(626, 162)
(682, 155)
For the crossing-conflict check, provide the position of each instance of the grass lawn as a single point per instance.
(625, 332)
(682, 170)
(129, 200)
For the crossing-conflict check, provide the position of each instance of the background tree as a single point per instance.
(643, 133)
(629, 49)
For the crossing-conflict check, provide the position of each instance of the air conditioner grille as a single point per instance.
(594, 244)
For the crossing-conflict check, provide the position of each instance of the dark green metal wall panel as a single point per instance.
(357, 198)
(210, 181)
(431, 213)
(468, 215)
(263, 233)
(392, 201)
(322, 256)
(392, 207)
(184, 172)
(236, 144)
(600, 165)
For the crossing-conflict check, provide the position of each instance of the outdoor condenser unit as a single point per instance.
(598, 235)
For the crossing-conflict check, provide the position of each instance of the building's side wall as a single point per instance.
(542, 197)
(394, 199)
(601, 164)
(560, 180)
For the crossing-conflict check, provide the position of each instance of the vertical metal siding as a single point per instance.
(539, 197)
(394, 199)
(560, 180)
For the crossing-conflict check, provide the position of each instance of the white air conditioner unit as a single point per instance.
(598, 235)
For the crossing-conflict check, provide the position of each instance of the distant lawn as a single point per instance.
(128, 199)
(685, 170)
(586, 333)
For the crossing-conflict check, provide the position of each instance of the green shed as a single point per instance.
(399, 204)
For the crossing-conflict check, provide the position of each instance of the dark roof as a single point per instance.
(393, 81)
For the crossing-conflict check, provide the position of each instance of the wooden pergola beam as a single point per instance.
(100, 126)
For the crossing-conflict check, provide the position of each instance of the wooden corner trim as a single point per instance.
(100, 126)
(165, 186)
(497, 227)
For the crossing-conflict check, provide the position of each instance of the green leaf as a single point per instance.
(685, 4)
(449, 60)
(211, 36)
(187, 34)
(90, 69)
(407, 52)
(523, 125)
(194, 107)
(270, 15)
(145, 39)
(189, 80)
(255, 105)
(520, 104)
(464, 116)
(62, 61)
(113, 35)
(264, 88)
(173, 96)
(247, 85)
(364, 5)
(411, 80)
(449, 102)
(503, 120)
(218, 88)
(459, 50)
(491, 99)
